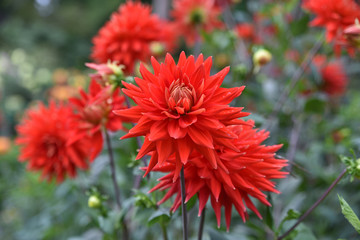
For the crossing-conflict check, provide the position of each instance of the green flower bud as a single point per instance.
(94, 202)
(261, 57)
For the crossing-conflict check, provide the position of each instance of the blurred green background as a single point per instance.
(45, 43)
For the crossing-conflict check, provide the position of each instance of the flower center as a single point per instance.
(51, 145)
(197, 16)
(181, 97)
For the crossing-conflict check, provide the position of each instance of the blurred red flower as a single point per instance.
(335, 16)
(246, 31)
(333, 75)
(193, 16)
(126, 37)
(181, 108)
(243, 173)
(44, 139)
(94, 111)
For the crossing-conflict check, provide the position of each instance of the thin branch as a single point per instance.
(294, 139)
(116, 186)
(183, 204)
(314, 205)
(293, 81)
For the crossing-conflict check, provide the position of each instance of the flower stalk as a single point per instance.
(314, 205)
(183, 204)
(201, 226)
(293, 81)
(116, 186)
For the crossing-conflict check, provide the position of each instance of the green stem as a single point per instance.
(201, 226)
(164, 231)
(183, 204)
(115, 184)
(314, 205)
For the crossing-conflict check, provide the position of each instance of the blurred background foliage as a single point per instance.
(43, 47)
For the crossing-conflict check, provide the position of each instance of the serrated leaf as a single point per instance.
(349, 214)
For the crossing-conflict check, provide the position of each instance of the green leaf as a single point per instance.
(300, 26)
(349, 214)
(315, 105)
(215, 235)
(162, 215)
(291, 215)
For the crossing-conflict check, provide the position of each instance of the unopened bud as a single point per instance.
(352, 34)
(157, 48)
(94, 202)
(261, 57)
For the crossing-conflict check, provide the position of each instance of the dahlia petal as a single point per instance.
(217, 209)
(97, 143)
(182, 59)
(148, 146)
(215, 188)
(209, 154)
(199, 60)
(152, 163)
(175, 131)
(187, 121)
(164, 150)
(75, 158)
(203, 196)
(192, 189)
(139, 129)
(199, 103)
(178, 166)
(226, 95)
(158, 131)
(201, 137)
(129, 115)
(251, 206)
(156, 66)
(184, 149)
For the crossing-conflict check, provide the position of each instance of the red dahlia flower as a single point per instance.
(333, 75)
(127, 36)
(192, 16)
(44, 137)
(95, 110)
(243, 173)
(334, 15)
(246, 31)
(181, 108)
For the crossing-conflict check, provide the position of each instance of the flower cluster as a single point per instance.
(45, 136)
(243, 173)
(185, 116)
(335, 16)
(191, 17)
(61, 138)
(181, 108)
(127, 36)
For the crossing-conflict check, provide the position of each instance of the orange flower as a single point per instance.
(181, 108)
(243, 173)
(127, 36)
(192, 16)
(44, 137)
